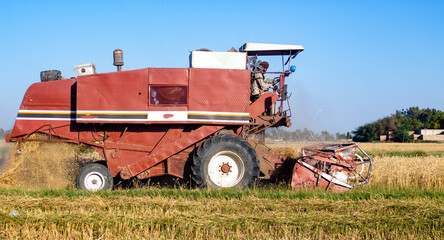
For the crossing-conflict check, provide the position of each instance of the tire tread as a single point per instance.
(251, 174)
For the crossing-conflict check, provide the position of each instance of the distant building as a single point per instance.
(431, 134)
(388, 136)
(422, 134)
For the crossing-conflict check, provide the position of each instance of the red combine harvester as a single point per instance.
(196, 121)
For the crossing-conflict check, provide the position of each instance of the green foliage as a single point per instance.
(402, 135)
(437, 120)
(399, 124)
(265, 192)
(414, 153)
(366, 133)
(415, 118)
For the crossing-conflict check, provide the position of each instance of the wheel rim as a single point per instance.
(94, 181)
(226, 169)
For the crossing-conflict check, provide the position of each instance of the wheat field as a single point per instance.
(404, 200)
(427, 147)
(413, 172)
(205, 214)
(43, 165)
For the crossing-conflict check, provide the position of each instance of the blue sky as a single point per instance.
(363, 59)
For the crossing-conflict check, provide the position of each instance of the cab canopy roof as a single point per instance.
(268, 49)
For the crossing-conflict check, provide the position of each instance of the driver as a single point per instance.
(258, 81)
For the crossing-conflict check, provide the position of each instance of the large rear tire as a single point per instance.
(94, 177)
(225, 161)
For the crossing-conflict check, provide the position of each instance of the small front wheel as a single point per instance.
(94, 177)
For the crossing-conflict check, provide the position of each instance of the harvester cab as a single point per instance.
(268, 110)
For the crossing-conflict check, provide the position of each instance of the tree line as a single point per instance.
(4, 132)
(400, 123)
(304, 135)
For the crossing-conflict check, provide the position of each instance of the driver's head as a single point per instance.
(265, 66)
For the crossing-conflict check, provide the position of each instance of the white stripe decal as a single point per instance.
(153, 116)
(47, 111)
(110, 112)
(221, 113)
(46, 119)
(212, 120)
(109, 120)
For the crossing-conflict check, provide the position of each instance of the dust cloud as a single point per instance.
(42, 165)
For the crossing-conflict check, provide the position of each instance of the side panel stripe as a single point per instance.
(218, 117)
(111, 116)
(136, 116)
(43, 115)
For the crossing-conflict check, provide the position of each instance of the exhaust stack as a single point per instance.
(118, 59)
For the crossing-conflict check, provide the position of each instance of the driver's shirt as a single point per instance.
(258, 81)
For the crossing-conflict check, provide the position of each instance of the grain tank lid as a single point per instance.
(268, 49)
(218, 60)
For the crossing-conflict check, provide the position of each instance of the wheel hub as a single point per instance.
(94, 181)
(225, 168)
